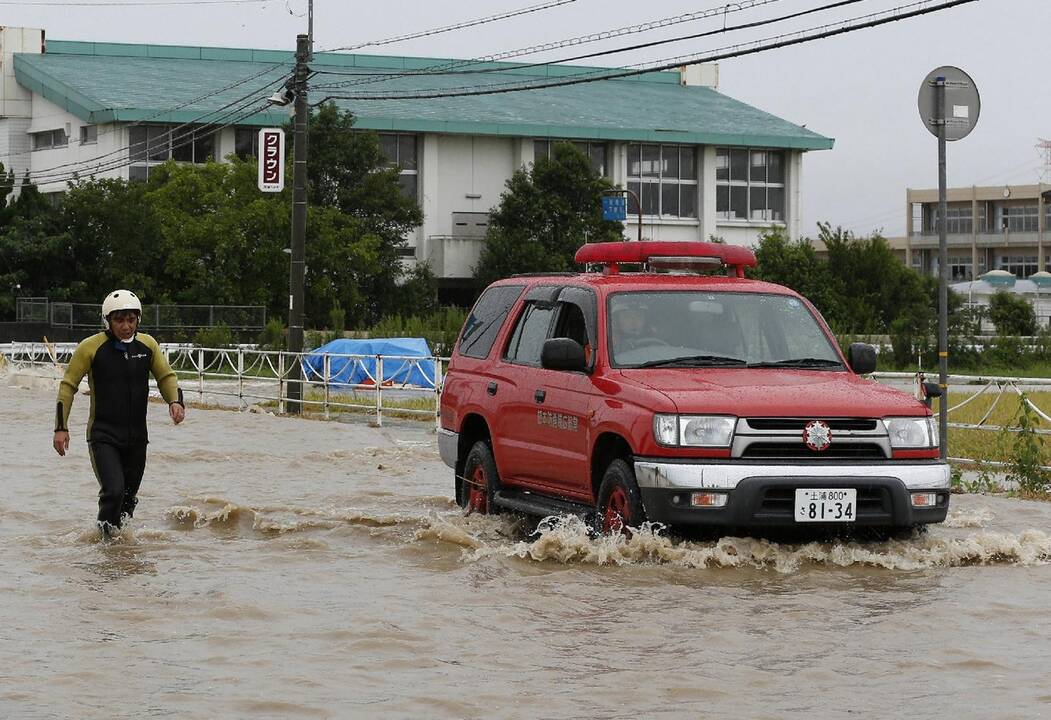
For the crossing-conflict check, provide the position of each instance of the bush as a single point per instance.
(440, 329)
(1011, 314)
(1026, 466)
(273, 335)
(217, 336)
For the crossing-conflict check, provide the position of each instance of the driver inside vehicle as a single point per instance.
(632, 328)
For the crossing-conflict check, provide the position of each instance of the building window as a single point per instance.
(1021, 266)
(400, 149)
(957, 220)
(664, 178)
(750, 184)
(89, 134)
(154, 144)
(246, 142)
(960, 267)
(49, 139)
(596, 151)
(1019, 218)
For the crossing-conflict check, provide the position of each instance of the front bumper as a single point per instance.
(763, 494)
(448, 444)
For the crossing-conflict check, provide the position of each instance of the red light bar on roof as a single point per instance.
(612, 254)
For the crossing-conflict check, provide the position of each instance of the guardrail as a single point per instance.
(329, 381)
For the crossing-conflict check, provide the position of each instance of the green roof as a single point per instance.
(109, 82)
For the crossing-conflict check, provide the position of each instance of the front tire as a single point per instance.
(480, 480)
(619, 503)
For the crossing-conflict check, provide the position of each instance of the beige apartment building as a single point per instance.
(1003, 227)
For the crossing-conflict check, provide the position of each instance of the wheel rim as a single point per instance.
(616, 517)
(477, 492)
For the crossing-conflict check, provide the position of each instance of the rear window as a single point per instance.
(486, 318)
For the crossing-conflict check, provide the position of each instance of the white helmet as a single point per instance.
(120, 300)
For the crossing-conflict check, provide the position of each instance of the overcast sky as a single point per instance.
(859, 89)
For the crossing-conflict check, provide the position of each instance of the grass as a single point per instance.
(392, 407)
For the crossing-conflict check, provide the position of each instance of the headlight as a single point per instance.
(912, 432)
(694, 430)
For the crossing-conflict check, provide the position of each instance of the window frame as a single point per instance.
(157, 153)
(732, 191)
(590, 147)
(404, 172)
(649, 184)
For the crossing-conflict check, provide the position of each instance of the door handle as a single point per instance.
(491, 388)
(539, 395)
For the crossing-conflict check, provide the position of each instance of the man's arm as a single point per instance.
(167, 381)
(78, 367)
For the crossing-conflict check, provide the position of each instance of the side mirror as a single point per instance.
(562, 354)
(862, 358)
(930, 391)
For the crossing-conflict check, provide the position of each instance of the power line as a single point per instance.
(723, 10)
(739, 50)
(94, 167)
(614, 51)
(457, 26)
(172, 109)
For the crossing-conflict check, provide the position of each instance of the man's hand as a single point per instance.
(178, 412)
(61, 441)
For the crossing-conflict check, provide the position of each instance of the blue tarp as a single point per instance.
(398, 366)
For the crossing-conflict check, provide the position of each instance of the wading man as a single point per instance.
(118, 362)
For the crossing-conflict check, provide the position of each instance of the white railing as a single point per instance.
(327, 381)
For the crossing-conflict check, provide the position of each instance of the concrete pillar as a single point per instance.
(428, 193)
(974, 233)
(908, 229)
(794, 194)
(706, 214)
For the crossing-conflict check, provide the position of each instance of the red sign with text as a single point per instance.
(271, 159)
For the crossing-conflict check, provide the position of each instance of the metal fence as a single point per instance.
(166, 317)
(253, 377)
(256, 376)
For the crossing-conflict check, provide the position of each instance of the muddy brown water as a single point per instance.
(286, 568)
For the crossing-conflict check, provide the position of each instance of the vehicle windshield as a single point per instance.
(715, 329)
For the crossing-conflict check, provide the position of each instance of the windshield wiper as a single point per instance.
(807, 362)
(695, 361)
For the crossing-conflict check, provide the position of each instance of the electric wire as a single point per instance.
(599, 53)
(130, 3)
(723, 10)
(166, 111)
(93, 167)
(902, 12)
(457, 26)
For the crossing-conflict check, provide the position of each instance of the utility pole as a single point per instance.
(943, 273)
(297, 275)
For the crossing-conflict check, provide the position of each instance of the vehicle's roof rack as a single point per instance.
(660, 255)
(545, 274)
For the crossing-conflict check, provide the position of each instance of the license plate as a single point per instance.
(826, 504)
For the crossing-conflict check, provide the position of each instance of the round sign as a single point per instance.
(962, 104)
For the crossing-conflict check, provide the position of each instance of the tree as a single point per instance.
(544, 215)
(795, 264)
(347, 172)
(1011, 314)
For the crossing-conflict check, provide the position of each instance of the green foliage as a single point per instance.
(1011, 314)
(1026, 466)
(273, 335)
(439, 328)
(217, 337)
(544, 215)
(337, 319)
(204, 234)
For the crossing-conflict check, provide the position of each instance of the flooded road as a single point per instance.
(282, 568)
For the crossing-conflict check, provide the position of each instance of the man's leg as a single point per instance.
(109, 471)
(134, 457)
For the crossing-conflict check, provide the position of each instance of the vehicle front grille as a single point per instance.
(799, 450)
(800, 423)
(873, 502)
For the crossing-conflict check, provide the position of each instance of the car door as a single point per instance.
(519, 459)
(563, 402)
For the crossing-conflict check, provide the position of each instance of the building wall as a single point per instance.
(16, 103)
(53, 166)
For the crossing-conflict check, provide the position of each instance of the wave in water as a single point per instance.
(568, 540)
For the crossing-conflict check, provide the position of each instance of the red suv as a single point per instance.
(678, 397)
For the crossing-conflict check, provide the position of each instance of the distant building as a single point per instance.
(1004, 227)
(703, 163)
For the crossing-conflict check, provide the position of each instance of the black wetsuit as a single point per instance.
(118, 375)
